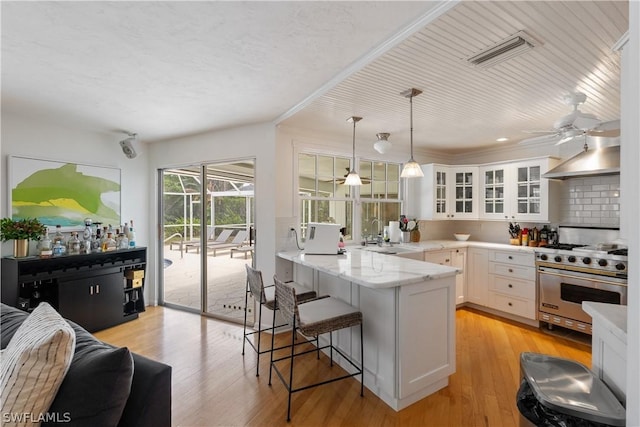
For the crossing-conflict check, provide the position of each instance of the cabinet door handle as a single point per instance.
(510, 304)
(447, 260)
(97, 289)
(510, 270)
(510, 285)
(510, 257)
(91, 290)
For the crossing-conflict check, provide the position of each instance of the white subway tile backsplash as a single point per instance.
(592, 200)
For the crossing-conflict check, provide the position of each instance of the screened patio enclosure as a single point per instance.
(207, 217)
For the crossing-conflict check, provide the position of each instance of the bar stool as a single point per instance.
(266, 297)
(311, 319)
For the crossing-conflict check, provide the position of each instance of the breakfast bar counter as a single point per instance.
(408, 309)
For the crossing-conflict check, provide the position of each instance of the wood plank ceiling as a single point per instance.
(465, 107)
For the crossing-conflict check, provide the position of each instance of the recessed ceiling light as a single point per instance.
(503, 139)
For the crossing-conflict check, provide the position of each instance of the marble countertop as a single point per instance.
(436, 245)
(371, 269)
(612, 316)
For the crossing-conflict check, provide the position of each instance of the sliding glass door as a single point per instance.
(208, 237)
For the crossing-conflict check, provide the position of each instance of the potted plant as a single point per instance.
(21, 231)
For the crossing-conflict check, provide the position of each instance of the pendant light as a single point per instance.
(382, 145)
(353, 178)
(411, 169)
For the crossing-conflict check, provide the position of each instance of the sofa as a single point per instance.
(104, 385)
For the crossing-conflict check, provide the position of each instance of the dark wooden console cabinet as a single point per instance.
(93, 290)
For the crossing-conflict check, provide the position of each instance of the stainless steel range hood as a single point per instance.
(593, 162)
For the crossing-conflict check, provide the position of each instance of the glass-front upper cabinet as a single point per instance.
(516, 191)
(494, 203)
(448, 192)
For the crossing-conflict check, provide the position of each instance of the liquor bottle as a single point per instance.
(45, 247)
(73, 247)
(109, 244)
(59, 237)
(87, 229)
(132, 238)
(123, 241)
(95, 241)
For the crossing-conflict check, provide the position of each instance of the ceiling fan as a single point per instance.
(574, 124)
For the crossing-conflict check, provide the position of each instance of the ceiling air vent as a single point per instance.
(513, 45)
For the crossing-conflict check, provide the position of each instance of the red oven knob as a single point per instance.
(558, 258)
(571, 259)
(620, 266)
(602, 262)
(586, 260)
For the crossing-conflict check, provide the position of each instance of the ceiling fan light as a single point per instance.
(353, 179)
(382, 146)
(411, 169)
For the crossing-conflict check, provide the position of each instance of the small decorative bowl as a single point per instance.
(461, 236)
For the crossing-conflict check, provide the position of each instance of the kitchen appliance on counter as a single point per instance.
(569, 273)
(322, 238)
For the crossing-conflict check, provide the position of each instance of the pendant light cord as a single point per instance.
(411, 125)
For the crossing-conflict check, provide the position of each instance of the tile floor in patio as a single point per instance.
(226, 278)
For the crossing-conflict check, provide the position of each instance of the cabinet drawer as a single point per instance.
(512, 271)
(513, 305)
(525, 289)
(512, 257)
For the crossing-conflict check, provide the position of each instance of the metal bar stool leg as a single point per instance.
(293, 335)
(331, 347)
(361, 361)
(273, 335)
(259, 335)
(246, 302)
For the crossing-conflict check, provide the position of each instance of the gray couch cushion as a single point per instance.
(96, 388)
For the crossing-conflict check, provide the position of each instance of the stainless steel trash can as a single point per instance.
(558, 392)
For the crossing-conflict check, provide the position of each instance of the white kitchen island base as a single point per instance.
(408, 319)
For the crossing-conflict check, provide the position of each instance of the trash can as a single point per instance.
(564, 393)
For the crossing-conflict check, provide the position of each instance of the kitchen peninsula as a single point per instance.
(408, 308)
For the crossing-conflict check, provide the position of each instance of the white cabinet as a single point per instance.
(512, 283)
(477, 276)
(448, 192)
(453, 258)
(517, 191)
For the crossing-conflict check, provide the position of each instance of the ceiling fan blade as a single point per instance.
(541, 131)
(539, 139)
(612, 125)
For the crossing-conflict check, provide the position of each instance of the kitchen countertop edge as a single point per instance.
(612, 316)
(409, 271)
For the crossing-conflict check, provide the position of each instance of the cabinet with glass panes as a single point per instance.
(516, 191)
(448, 192)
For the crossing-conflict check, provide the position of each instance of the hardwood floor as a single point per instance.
(214, 385)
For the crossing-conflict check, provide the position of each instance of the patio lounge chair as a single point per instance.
(239, 240)
(221, 239)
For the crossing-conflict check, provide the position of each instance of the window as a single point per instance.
(379, 196)
(325, 198)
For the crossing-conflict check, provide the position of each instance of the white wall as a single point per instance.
(630, 202)
(256, 141)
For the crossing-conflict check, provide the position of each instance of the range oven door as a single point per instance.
(561, 292)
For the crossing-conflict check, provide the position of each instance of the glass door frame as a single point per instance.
(204, 206)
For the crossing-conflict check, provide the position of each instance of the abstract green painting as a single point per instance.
(64, 194)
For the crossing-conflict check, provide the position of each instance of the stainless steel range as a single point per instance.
(568, 274)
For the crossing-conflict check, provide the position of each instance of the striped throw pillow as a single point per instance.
(33, 366)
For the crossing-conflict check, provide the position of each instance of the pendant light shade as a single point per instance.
(411, 169)
(353, 178)
(382, 145)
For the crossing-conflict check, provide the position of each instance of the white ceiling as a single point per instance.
(167, 69)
